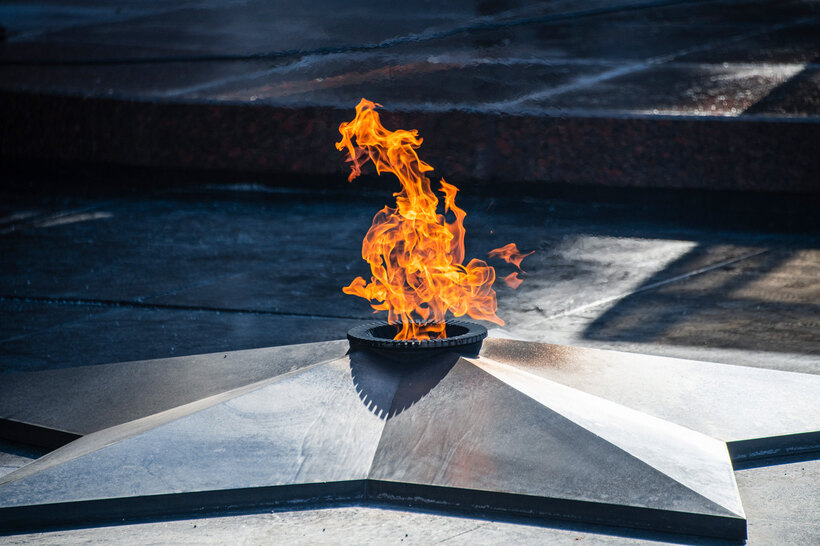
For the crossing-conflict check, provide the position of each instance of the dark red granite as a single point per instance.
(715, 153)
(653, 93)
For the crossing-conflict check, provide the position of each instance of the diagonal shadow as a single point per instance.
(793, 96)
(694, 312)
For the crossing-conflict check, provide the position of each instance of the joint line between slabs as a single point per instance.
(462, 533)
(42, 220)
(112, 304)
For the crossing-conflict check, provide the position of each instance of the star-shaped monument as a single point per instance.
(521, 428)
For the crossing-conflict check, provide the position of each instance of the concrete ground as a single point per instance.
(103, 273)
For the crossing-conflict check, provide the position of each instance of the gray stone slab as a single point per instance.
(766, 302)
(794, 44)
(127, 79)
(739, 405)
(666, 447)
(443, 80)
(85, 399)
(462, 55)
(446, 430)
(677, 89)
(627, 44)
(161, 246)
(573, 271)
(89, 398)
(303, 428)
(130, 334)
(780, 501)
(23, 319)
(484, 429)
(257, 26)
(314, 282)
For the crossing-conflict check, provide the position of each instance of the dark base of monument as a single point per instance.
(515, 428)
(374, 493)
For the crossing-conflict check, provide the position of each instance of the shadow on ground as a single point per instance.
(767, 302)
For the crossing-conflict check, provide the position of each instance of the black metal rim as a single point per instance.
(374, 334)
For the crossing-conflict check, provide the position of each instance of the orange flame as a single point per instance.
(510, 254)
(415, 255)
(512, 280)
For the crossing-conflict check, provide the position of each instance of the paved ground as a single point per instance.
(659, 93)
(727, 58)
(108, 274)
(133, 270)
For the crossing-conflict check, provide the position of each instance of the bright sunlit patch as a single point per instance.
(73, 219)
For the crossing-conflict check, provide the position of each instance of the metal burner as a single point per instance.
(462, 335)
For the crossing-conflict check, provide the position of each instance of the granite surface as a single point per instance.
(444, 431)
(670, 94)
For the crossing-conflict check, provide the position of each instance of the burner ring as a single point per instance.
(379, 335)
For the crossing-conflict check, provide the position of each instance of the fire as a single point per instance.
(416, 257)
(510, 254)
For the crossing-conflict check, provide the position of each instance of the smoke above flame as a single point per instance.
(416, 256)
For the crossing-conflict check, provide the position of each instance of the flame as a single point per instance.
(510, 254)
(416, 257)
(513, 280)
